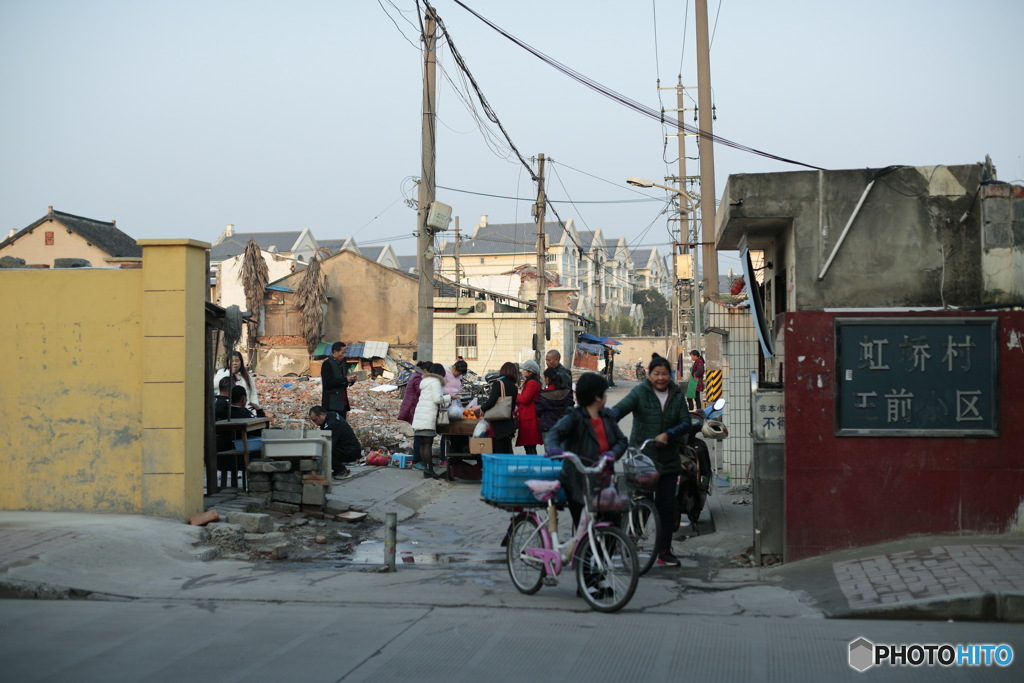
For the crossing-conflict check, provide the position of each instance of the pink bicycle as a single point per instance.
(603, 556)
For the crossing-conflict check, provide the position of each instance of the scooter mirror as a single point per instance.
(719, 404)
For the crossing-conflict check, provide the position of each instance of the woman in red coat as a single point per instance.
(526, 405)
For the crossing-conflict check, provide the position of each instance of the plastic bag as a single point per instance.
(455, 409)
(640, 471)
(473, 404)
(482, 430)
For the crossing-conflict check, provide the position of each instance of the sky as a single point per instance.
(177, 118)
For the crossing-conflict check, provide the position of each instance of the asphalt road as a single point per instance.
(267, 641)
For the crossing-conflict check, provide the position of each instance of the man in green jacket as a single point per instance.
(659, 412)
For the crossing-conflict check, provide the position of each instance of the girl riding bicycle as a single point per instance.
(589, 431)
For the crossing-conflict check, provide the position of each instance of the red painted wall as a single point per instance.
(852, 491)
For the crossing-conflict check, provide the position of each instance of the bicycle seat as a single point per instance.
(543, 490)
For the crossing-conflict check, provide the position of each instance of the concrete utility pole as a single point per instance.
(458, 275)
(707, 167)
(538, 211)
(598, 267)
(684, 221)
(425, 195)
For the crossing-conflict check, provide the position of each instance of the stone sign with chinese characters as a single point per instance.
(916, 377)
(768, 419)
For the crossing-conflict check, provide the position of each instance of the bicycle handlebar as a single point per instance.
(574, 459)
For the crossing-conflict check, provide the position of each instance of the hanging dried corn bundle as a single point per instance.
(311, 295)
(254, 283)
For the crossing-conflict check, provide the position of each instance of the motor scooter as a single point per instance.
(405, 373)
(695, 482)
(641, 373)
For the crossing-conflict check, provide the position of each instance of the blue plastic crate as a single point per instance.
(505, 477)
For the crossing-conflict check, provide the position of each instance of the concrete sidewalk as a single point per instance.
(67, 555)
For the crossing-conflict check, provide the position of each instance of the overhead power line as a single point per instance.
(556, 201)
(622, 99)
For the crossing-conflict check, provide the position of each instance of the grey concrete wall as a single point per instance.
(906, 247)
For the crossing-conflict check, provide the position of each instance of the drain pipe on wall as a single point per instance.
(842, 236)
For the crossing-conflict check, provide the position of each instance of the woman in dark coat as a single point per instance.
(503, 430)
(659, 412)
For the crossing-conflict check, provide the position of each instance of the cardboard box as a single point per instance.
(315, 367)
(478, 446)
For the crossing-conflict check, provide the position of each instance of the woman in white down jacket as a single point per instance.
(424, 419)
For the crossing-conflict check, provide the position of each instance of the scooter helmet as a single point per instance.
(714, 429)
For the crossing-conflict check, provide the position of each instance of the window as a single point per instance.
(551, 258)
(465, 340)
(48, 239)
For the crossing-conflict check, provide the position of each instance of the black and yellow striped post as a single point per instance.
(712, 386)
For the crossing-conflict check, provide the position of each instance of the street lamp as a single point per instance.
(643, 182)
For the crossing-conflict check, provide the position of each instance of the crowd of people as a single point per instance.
(532, 406)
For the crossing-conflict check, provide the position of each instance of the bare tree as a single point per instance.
(310, 296)
(254, 283)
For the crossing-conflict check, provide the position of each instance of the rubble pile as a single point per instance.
(374, 414)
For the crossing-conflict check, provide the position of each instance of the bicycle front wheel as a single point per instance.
(606, 569)
(642, 528)
(526, 572)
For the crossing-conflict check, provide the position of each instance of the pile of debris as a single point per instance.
(374, 414)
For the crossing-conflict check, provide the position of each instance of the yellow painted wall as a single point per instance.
(103, 389)
(501, 337)
(33, 247)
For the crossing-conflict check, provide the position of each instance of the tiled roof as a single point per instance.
(235, 245)
(372, 253)
(505, 238)
(102, 234)
(408, 263)
(641, 258)
(334, 245)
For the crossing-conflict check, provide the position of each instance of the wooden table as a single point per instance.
(234, 427)
(463, 428)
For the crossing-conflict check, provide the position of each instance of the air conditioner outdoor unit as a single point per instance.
(481, 307)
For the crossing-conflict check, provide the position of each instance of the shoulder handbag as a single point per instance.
(502, 410)
(442, 416)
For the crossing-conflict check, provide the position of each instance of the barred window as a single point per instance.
(465, 340)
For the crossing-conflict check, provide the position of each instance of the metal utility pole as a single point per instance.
(425, 195)
(538, 210)
(707, 167)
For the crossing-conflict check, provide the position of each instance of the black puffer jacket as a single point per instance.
(552, 404)
(575, 433)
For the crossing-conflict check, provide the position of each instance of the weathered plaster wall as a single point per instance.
(368, 302)
(850, 491)
(906, 247)
(1002, 260)
(103, 389)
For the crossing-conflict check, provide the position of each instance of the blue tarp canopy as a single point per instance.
(589, 338)
(592, 349)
